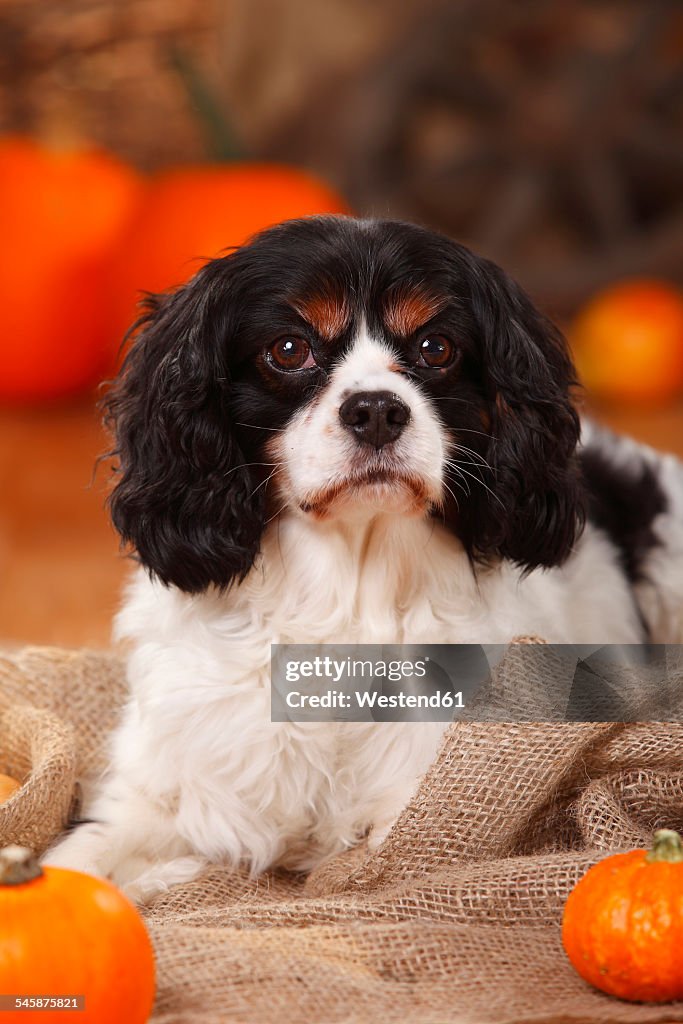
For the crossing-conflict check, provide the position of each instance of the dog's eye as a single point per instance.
(291, 353)
(436, 350)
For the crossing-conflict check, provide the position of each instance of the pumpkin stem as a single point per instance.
(218, 129)
(667, 846)
(18, 865)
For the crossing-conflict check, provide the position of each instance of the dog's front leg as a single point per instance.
(131, 840)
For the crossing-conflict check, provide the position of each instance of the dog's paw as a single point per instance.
(157, 877)
(378, 833)
(85, 849)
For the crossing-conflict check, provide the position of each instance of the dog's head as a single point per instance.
(341, 368)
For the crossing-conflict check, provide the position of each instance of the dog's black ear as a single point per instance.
(184, 495)
(535, 510)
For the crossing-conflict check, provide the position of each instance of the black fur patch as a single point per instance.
(624, 502)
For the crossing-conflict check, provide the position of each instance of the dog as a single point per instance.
(348, 431)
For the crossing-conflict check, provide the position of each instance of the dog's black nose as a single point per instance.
(375, 417)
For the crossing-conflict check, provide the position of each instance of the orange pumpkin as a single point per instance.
(623, 923)
(61, 212)
(194, 213)
(628, 342)
(66, 933)
(8, 787)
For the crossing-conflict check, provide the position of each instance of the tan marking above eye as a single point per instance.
(406, 311)
(328, 314)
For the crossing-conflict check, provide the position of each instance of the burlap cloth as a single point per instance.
(454, 919)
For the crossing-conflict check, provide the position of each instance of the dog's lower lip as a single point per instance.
(368, 478)
(375, 476)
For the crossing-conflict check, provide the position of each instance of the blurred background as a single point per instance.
(139, 136)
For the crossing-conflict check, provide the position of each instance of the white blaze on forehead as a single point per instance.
(369, 365)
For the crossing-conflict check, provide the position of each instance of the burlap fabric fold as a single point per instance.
(456, 918)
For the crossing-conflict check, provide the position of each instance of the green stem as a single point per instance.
(18, 865)
(220, 137)
(666, 846)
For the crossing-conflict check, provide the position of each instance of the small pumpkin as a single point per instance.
(61, 212)
(8, 787)
(628, 342)
(623, 923)
(66, 933)
(194, 213)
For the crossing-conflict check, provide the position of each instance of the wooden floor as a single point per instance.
(60, 568)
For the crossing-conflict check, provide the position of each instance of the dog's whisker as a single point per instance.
(449, 398)
(486, 488)
(462, 486)
(276, 514)
(476, 460)
(453, 462)
(467, 462)
(250, 465)
(465, 448)
(256, 426)
(453, 496)
(465, 485)
(468, 451)
(264, 482)
(470, 430)
(477, 456)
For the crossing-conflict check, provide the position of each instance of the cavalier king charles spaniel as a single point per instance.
(346, 431)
